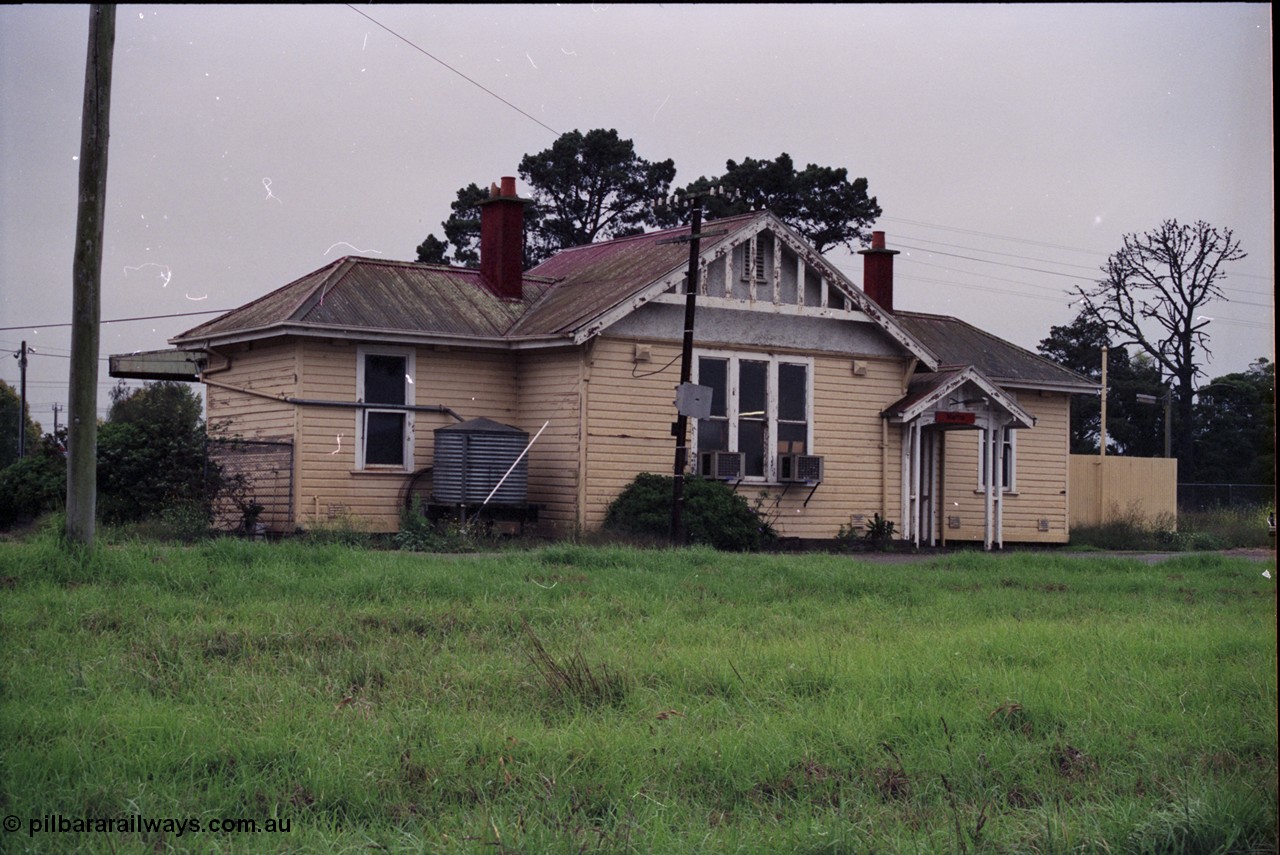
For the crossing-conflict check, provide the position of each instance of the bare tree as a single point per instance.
(1153, 296)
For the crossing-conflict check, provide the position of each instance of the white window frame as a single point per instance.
(362, 413)
(1010, 460)
(735, 358)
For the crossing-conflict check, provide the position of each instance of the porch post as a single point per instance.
(905, 492)
(988, 478)
(999, 482)
(915, 481)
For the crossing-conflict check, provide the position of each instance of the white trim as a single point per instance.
(766, 307)
(410, 398)
(1011, 440)
(772, 361)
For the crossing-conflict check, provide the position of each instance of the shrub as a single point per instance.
(873, 533)
(419, 534)
(30, 487)
(714, 515)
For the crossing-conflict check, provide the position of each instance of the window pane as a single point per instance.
(753, 378)
(384, 439)
(793, 388)
(384, 379)
(715, 373)
(713, 435)
(751, 441)
(792, 438)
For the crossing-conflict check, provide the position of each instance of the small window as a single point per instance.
(384, 376)
(1008, 470)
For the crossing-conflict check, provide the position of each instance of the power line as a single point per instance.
(451, 68)
(118, 320)
(1012, 239)
(1040, 270)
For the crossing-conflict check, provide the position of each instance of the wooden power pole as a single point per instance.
(82, 406)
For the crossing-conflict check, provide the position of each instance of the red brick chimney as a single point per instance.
(502, 240)
(877, 272)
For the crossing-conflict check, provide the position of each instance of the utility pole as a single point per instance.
(57, 408)
(82, 404)
(681, 427)
(22, 401)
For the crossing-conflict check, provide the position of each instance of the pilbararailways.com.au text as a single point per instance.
(138, 824)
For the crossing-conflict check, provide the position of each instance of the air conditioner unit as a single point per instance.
(805, 468)
(722, 465)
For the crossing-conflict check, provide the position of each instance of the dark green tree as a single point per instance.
(10, 404)
(584, 188)
(1236, 427)
(461, 231)
(819, 202)
(433, 251)
(151, 452)
(1153, 295)
(1134, 429)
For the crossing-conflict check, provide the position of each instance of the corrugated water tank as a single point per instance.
(470, 458)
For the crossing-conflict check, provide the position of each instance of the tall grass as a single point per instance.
(1218, 529)
(613, 700)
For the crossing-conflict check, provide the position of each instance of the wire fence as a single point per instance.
(1205, 497)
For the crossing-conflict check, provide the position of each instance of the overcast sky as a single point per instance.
(1010, 146)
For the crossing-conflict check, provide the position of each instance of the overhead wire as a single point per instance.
(434, 58)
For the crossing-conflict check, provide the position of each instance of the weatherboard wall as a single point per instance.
(331, 489)
(243, 400)
(548, 392)
(1036, 510)
(630, 411)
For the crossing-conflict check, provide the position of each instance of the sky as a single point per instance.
(1011, 147)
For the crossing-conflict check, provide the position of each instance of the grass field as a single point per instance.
(574, 699)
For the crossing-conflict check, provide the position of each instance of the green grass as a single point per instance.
(578, 699)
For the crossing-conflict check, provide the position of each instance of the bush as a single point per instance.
(714, 515)
(419, 534)
(878, 534)
(31, 487)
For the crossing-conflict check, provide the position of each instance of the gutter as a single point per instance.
(313, 402)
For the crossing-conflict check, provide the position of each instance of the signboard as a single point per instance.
(693, 401)
(945, 417)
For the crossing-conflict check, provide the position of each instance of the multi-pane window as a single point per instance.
(1008, 469)
(761, 406)
(384, 434)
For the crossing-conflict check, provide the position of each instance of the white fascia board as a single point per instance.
(970, 375)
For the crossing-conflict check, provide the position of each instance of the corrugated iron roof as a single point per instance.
(958, 343)
(594, 278)
(364, 293)
(560, 297)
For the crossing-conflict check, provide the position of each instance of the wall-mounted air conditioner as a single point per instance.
(802, 468)
(722, 465)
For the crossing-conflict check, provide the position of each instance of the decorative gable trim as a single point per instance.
(670, 288)
(913, 407)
